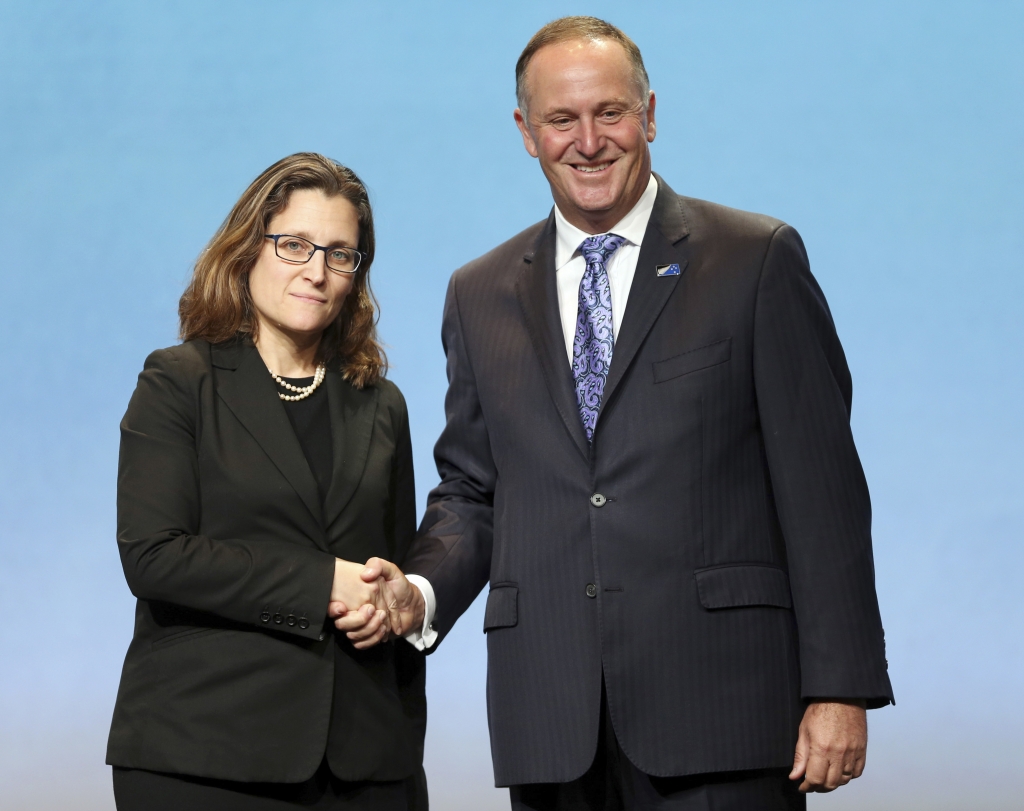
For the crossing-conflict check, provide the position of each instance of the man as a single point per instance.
(648, 456)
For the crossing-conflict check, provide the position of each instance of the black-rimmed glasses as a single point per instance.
(298, 251)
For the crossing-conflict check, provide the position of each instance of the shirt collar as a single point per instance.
(631, 227)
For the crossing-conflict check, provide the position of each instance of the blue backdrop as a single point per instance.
(890, 134)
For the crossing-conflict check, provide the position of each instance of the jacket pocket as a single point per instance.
(502, 606)
(743, 584)
(693, 361)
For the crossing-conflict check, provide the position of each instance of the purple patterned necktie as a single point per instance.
(595, 331)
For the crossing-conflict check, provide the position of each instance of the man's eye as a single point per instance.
(611, 115)
(562, 123)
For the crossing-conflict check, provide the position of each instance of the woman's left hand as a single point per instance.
(365, 626)
(370, 621)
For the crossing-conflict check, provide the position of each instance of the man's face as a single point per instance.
(588, 127)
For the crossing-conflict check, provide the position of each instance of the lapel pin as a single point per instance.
(668, 270)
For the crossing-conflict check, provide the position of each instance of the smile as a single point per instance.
(310, 299)
(589, 170)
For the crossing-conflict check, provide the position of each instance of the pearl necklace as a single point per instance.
(301, 392)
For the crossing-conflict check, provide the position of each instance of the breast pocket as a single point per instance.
(694, 360)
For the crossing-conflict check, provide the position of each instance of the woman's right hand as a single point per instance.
(364, 603)
(368, 625)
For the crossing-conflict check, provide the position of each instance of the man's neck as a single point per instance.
(600, 222)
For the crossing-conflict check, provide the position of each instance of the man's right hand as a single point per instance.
(405, 603)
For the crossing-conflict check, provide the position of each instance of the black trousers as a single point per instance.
(613, 783)
(139, 790)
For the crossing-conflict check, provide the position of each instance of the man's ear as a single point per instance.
(652, 128)
(524, 129)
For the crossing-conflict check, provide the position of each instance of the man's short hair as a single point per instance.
(570, 28)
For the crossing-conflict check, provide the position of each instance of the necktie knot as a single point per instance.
(600, 247)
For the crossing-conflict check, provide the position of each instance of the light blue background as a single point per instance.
(890, 134)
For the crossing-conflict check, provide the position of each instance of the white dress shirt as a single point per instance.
(569, 268)
(570, 265)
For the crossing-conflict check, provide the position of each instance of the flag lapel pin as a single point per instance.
(668, 270)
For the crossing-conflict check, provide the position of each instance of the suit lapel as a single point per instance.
(538, 297)
(352, 417)
(249, 392)
(663, 244)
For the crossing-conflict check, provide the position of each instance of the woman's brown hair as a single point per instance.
(216, 305)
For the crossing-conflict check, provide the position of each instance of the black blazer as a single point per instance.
(234, 671)
(709, 556)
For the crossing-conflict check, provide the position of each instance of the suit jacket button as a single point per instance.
(303, 623)
(265, 616)
(591, 590)
(291, 620)
(598, 500)
(322, 637)
(278, 619)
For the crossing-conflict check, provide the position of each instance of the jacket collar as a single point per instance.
(664, 243)
(538, 298)
(248, 390)
(353, 413)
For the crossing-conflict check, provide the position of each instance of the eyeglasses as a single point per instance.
(298, 251)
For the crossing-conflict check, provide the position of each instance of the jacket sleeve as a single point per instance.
(158, 518)
(804, 394)
(453, 548)
(401, 517)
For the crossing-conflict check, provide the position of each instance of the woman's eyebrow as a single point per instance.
(300, 232)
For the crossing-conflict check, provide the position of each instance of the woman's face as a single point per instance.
(300, 301)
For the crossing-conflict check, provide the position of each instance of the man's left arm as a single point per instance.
(804, 394)
(832, 745)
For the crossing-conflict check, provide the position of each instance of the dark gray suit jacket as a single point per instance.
(725, 574)
(233, 672)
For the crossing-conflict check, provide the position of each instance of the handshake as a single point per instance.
(373, 603)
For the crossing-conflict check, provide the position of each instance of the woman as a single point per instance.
(262, 460)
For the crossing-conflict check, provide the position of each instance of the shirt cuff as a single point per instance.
(425, 637)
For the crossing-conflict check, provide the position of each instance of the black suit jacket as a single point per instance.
(233, 671)
(725, 573)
